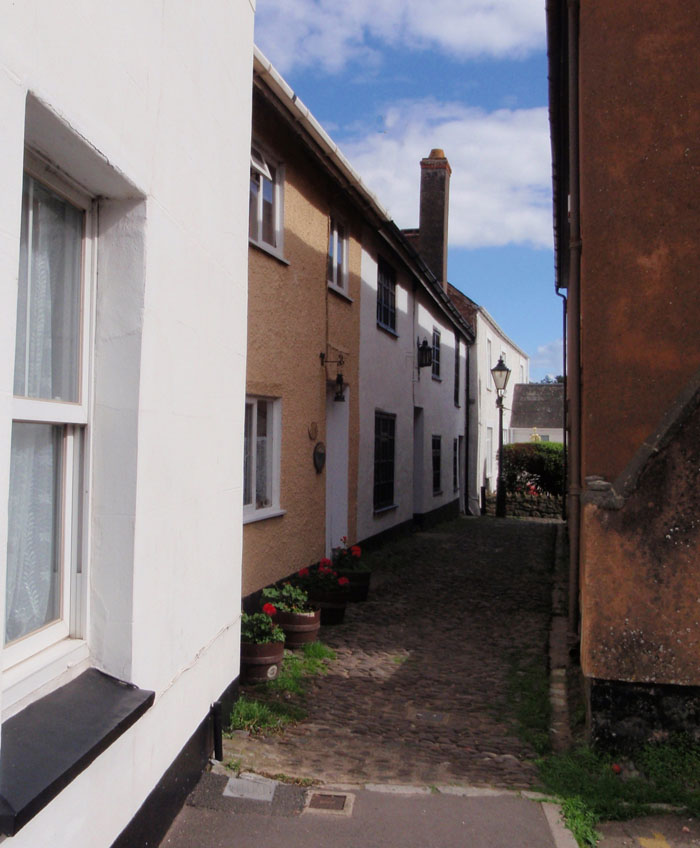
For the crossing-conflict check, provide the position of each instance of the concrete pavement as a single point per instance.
(374, 816)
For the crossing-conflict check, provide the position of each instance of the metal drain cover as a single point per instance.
(321, 801)
(330, 803)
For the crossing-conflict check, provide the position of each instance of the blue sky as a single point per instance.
(391, 79)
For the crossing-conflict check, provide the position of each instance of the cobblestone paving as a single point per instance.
(418, 692)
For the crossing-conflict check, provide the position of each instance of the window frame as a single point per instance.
(266, 167)
(73, 417)
(436, 449)
(437, 338)
(251, 512)
(380, 479)
(458, 376)
(386, 296)
(338, 234)
(489, 364)
(455, 464)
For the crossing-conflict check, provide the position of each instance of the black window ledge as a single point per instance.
(50, 742)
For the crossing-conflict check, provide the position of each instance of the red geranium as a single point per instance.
(269, 609)
(304, 572)
(343, 581)
(356, 551)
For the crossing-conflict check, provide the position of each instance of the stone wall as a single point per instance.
(528, 506)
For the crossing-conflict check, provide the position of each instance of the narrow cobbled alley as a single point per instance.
(421, 691)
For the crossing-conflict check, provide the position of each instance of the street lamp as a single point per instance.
(500, 373)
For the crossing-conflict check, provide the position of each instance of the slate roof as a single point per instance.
(538, 405)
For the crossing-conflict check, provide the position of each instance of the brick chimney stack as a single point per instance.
(435, 174)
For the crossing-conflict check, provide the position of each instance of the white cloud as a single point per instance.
(548, 360)
(329, 34)
(500, 190)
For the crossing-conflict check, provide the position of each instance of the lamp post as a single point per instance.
(500, 373)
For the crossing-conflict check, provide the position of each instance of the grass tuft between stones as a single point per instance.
(593, 785)
(280, 702)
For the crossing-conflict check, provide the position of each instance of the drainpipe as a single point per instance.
(564, 421)
(574, 318)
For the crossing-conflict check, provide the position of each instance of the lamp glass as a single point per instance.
(500, 373)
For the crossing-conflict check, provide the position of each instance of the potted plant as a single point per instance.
(262, 646)
(325, 588)
(296, 615)
(347, 561)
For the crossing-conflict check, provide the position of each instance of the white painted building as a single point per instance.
(413, 420)
(491, 344)
(124, 165)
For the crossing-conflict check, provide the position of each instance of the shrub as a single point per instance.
(537, 467)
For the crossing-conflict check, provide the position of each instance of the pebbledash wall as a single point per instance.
(144, 107)
(294, 316)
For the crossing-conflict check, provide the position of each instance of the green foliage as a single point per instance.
(280, 701)
(528, 699)
(593, 786)
(581, 821)
(257, 716)
(534, 465)
(259, 629)
(288, 598)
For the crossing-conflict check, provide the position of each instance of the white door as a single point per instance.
(337, 448)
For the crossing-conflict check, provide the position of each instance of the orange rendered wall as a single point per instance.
(292, 318)
(640, 331)
(640, 208)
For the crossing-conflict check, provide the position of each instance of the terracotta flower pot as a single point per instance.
(260, 662)
(332, 603)
(300, 628)
(358, 587)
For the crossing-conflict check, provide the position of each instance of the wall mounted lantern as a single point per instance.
(425, 354)
(339, 395)
(500, 373)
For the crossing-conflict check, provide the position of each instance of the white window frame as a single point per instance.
(250, 511)
(74, 417)
(435, 369)
(262, 165)
(337, 277)
(489, 364)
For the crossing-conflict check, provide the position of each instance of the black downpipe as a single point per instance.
(218, 730)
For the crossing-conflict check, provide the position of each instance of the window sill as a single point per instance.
(50, 742)
(271, 251)
(388, 330)
(340, 292)
(437, 379)
(262, 515)
(382, 509)
(438, 494)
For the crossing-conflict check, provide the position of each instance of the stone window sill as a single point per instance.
(54, 739)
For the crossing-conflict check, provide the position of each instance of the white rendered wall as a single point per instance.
(386, 384)
(390, 382)
(488, 331)
(147, 104)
